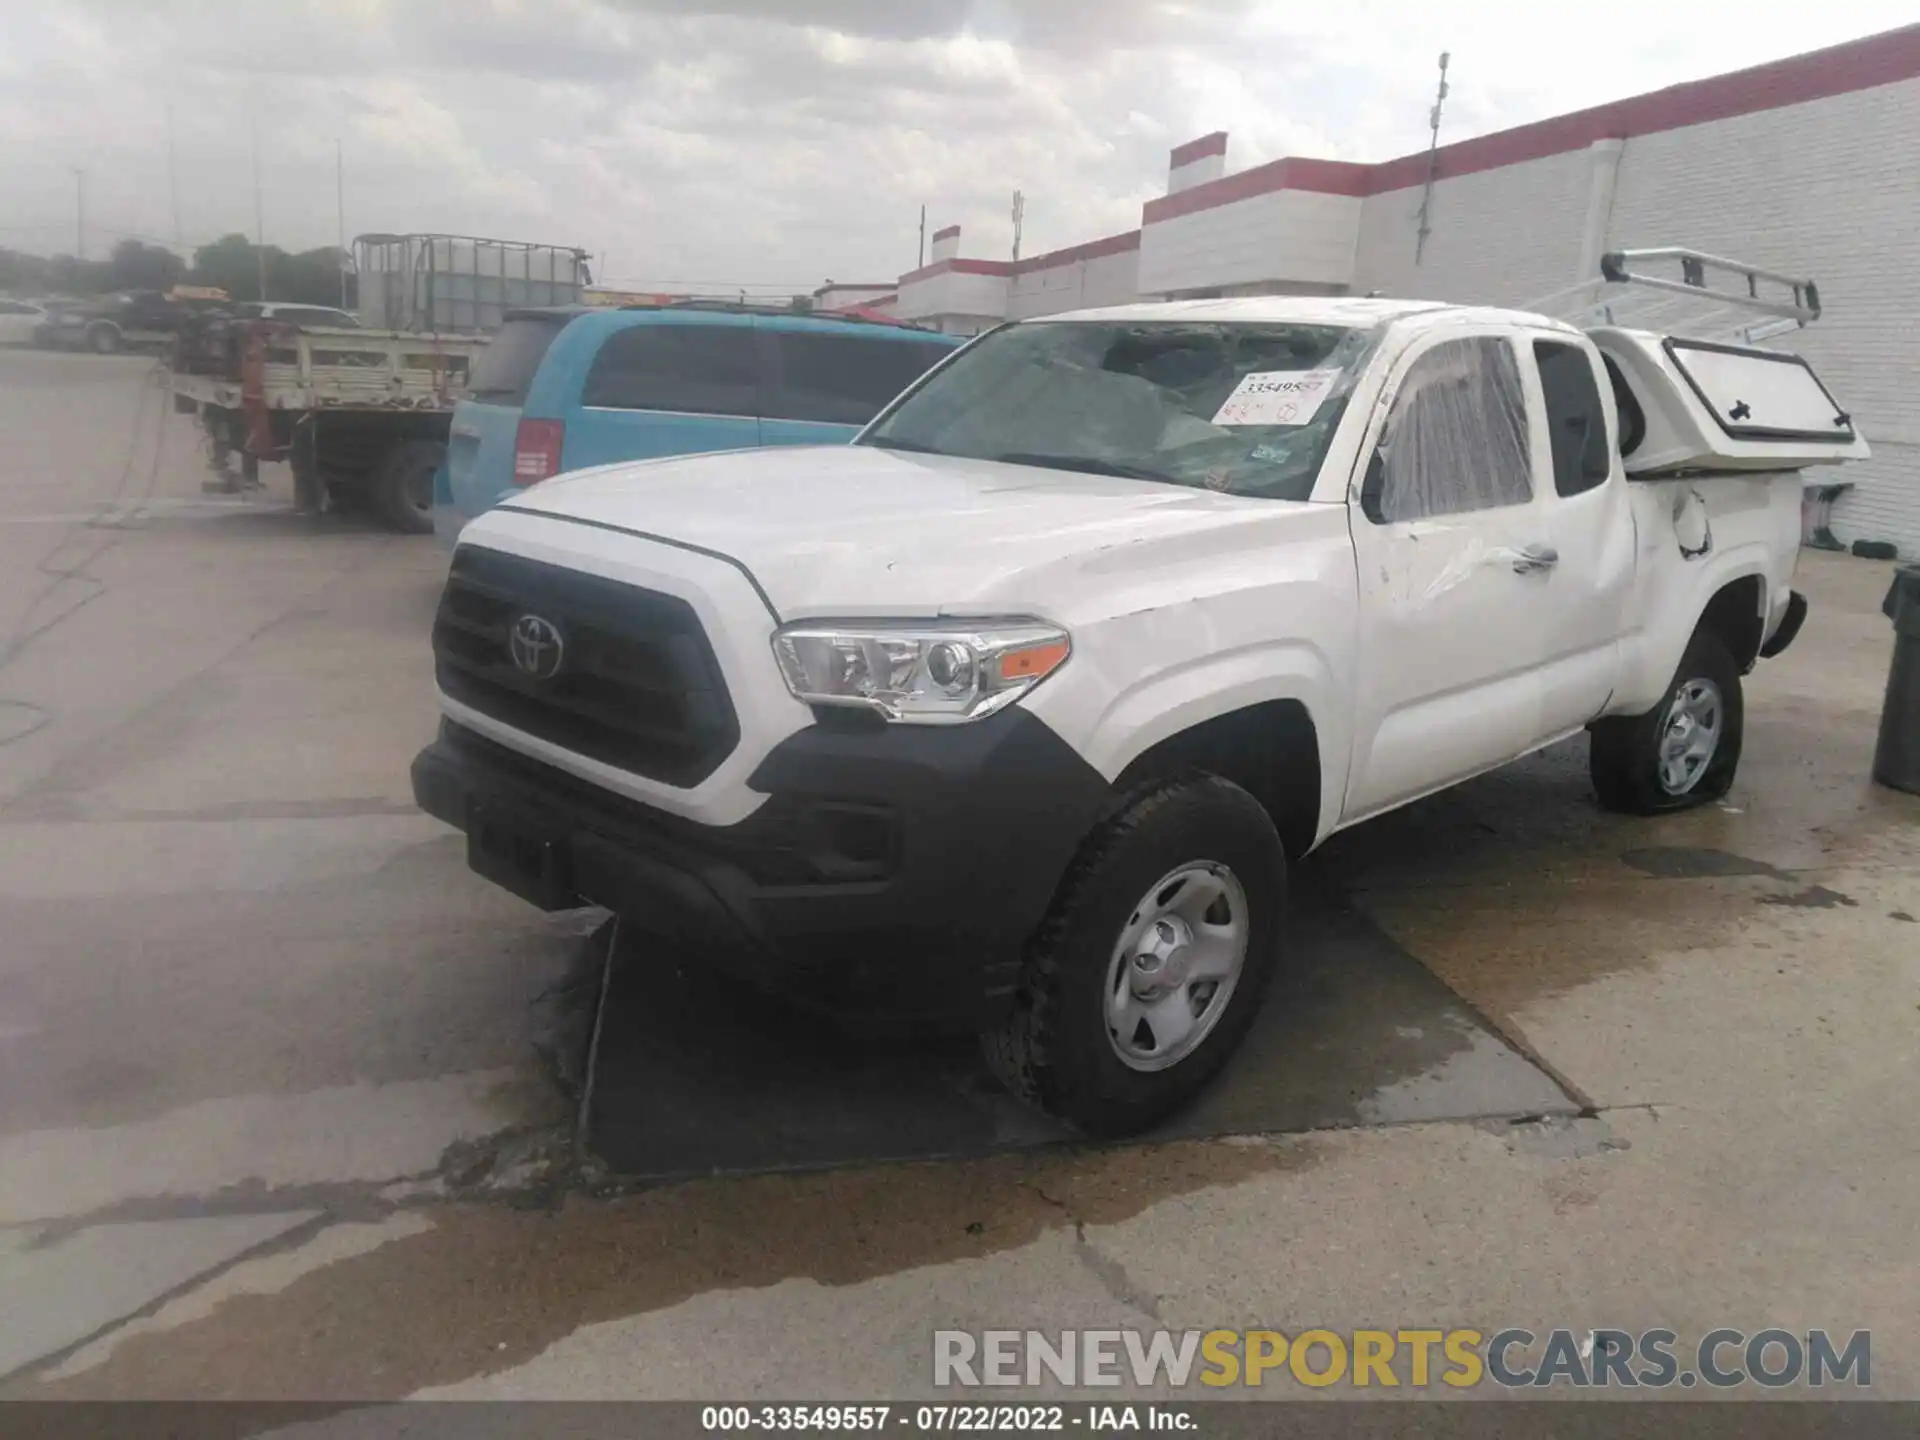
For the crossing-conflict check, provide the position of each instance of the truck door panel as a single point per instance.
(1454, 552)
(1589, 595)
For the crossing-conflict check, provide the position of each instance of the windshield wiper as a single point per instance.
(1087, 463)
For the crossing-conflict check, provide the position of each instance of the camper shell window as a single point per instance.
(1760, 394)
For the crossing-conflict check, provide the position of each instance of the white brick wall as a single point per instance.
(1077, 285)
(953, 293)
(1828, 188)
(833, 297)
(1499, 237)
(1196, 172)
(1285, 235)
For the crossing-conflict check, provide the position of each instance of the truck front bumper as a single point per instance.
(893, 871)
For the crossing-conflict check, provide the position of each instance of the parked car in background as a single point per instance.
(19, 319)
(125, 320)
(571, 387)
(320, 315)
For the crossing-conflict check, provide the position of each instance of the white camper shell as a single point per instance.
(1698, 392)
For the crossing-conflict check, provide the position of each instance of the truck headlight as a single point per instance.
(938, 673)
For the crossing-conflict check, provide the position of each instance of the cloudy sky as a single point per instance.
(774, 143)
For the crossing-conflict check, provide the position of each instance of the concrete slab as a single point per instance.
(354, 1135)
(266, 1274)
(226, 677)
(84, 1282)
(695, 1076)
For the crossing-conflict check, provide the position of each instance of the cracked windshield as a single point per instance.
(996, 716)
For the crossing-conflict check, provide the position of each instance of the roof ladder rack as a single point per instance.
(1678, 291)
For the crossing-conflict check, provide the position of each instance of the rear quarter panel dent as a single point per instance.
(1755, 528)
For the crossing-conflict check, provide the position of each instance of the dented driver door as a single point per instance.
(1454, 547)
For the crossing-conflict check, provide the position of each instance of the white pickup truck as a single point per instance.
(1011, 714)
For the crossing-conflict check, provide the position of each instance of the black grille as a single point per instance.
(638, 685)
(791, 840)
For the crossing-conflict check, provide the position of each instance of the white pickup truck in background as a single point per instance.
(1012, 714)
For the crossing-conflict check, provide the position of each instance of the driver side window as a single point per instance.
(1456, 439)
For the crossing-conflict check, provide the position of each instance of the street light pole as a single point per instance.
(340, 215)
(1433, 161)
(173, 181)
(259, 216)
(79, 213)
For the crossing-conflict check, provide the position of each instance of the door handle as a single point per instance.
(1535, 558)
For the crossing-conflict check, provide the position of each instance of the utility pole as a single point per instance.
(340, 215)
(80, 213)
(173, 181)
(921, 262)
(1433, 161)
(1019, 214)
(259, 216)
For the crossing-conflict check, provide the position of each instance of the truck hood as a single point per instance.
(857, 530)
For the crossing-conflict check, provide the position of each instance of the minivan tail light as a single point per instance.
(536, 451)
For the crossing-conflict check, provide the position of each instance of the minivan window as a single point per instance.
(843, 379)
(506, 366)
(691, 369)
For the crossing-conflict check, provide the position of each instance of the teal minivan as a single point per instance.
(566, 388)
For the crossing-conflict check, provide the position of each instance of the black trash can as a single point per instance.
(1896, 759)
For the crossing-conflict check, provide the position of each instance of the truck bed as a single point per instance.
(301, 369)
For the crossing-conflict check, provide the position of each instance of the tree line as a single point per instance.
(231, 263)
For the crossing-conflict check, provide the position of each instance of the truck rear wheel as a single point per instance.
(402, 486)
(103, 338)
(1151, 965)
(1684, 751)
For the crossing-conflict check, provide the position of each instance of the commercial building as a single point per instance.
(1805, 165)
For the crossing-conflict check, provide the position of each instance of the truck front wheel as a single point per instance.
(402, 485)
(1683, 751)
(1152, 963)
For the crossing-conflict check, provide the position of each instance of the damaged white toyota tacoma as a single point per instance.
(1012, 714)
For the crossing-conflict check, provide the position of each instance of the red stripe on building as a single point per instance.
(1214, 144)
(958, 267)
(1327, 177)
(1074, 254)
(1884, 59)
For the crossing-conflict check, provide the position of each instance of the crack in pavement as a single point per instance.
(287, 1239)
(512, 1166)
(1113, 1276)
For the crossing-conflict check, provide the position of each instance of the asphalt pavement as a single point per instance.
(283, 1112)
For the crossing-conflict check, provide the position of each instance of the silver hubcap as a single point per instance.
(1690, 735)
(1176, 965)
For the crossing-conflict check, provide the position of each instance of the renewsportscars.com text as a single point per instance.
(1412, 1358)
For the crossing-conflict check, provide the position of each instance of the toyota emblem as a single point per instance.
(536, 647)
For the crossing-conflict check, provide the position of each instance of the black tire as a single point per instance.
(345, 496)
(1054, 1050)
(401, 487)
(103, 339)
(1625, 758)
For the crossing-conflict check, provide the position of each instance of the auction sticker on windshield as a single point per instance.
(1277, 397)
